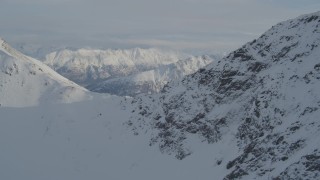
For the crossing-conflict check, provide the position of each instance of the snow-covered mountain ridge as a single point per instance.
(124, 72)
(261, 102)
(25, 81)
(151, 81)
(83, 137)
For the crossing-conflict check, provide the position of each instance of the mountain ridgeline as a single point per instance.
(25, 81)
(124, 72)
(258, 106)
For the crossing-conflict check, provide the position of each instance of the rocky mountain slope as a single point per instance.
(70, 133)
(123, 72)
(258, 107)
(50, 128)
(25, 81)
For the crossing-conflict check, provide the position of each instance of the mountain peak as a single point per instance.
(309, 15)
(262, 99)
(25, 81)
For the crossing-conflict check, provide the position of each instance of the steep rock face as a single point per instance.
(263, 99)
(25, 81)
(124, 72)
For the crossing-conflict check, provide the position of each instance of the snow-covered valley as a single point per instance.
(253, 114)
(87, 140)
(51, 128)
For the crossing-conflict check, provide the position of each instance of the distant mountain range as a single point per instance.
(124, 72)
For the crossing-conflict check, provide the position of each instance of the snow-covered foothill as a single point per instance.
(25, 81)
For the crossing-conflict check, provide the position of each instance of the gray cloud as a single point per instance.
(181, 24)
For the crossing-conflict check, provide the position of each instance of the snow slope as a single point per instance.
(124, 72)
(86, 140)
(262, 100)
(25, 81)
(80, 138)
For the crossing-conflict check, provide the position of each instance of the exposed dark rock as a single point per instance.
(263, 95)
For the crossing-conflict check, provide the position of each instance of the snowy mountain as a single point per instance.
(86, 140)
(258, 107)
(151, 81)
(82, 137)
(251, 115)
(25, 81)
(123, 72)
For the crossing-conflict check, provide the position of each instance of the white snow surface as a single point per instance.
(87, 140)
(51, 128)
(25, 81)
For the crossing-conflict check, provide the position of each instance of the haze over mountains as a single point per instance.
(253, 114)
(124, 72)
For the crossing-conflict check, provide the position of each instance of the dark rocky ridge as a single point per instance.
(267, 92)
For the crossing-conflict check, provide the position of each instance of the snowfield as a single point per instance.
(86, 140)
(51, 128)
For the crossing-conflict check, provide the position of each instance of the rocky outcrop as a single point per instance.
(263, 98)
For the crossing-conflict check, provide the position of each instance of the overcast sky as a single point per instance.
(214, 25)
